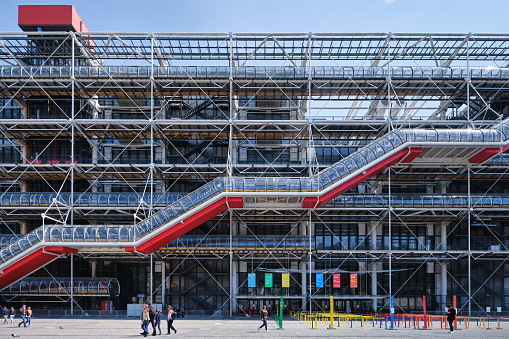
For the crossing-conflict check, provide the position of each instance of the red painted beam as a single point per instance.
(309, 202)
(412, 154)
(235, 202)
(60, 250)
(31, 263)
(486, 154)
(186, 225)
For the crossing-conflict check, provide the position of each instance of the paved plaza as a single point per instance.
(221, 328)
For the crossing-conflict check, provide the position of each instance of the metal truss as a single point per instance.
(255, 105)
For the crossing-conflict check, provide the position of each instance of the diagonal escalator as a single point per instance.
(48, 242)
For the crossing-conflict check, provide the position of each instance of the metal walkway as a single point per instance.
(406, 79)
(49, 242)
(132, 200)
(91, 287)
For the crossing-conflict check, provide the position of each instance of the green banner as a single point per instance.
(268, 279)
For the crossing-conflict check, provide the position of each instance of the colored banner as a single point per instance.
(251, 280)
(353, 280)
(285, 280)
(268, 280)
(336, 280)
(319, 280)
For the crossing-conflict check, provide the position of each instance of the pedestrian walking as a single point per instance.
(158, 320)
(451, 316)
(169, 319)
(23, 313)
(152, 314)
(6, 314)
(263, 315)
(145, 318)
(29, 316)
(12, 313)
(182, 312)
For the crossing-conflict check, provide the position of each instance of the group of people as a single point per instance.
(150, 315)
(10, 313)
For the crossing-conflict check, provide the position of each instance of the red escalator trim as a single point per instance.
(235, 202)
(31, 263)
(403, 154)
(412, 154)
(186, 225)
(309, 202)
(60, 250)
(486, 154)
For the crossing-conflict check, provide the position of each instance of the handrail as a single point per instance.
(131, 200)
(254, 72)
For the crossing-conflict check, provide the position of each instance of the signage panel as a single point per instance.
(353, 280)
(268, 280)
(251, 280)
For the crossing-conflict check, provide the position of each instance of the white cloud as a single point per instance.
(389, 1)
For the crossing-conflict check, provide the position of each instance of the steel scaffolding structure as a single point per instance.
(104, 134)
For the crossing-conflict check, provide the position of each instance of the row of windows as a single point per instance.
(346, 237)
(10, 113)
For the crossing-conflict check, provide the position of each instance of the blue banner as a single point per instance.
(319, 280)
(251, 280)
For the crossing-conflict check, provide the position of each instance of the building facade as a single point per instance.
(107, 130)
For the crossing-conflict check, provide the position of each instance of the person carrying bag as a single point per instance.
(169, 319)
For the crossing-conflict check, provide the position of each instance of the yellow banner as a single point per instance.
(286, 280)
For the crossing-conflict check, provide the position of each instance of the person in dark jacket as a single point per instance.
(263, 316)
(6, 314)
(23, 312)
(451, 316)
(158, 320)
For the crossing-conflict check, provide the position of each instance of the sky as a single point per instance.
(288, 16)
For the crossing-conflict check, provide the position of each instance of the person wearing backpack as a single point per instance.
(152, 315)
(169, 319)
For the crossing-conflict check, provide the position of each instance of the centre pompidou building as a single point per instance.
(219, 172)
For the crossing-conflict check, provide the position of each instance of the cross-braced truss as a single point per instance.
(106, 130)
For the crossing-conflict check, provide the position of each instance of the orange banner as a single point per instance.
(353, 280)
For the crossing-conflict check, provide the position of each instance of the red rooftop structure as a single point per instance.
(33, 18)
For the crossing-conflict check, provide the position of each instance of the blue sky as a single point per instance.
(281, 16)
